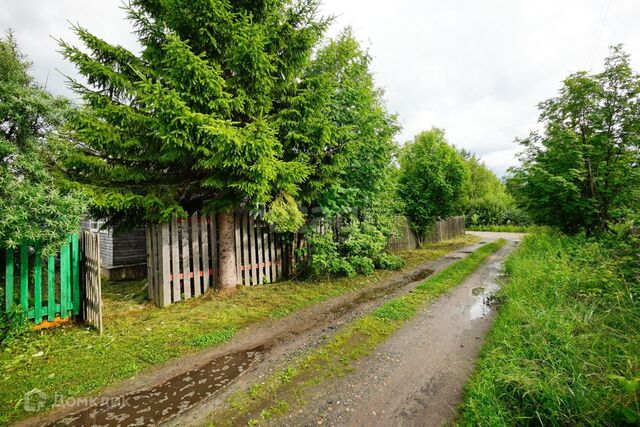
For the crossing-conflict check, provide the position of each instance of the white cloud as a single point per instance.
(475, 68)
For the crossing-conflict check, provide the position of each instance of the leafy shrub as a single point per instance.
(387, 261)
(358, 249)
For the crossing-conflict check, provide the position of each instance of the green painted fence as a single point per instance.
(45, 287)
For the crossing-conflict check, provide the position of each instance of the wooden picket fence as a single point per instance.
(182, 256)
(406, 239)
(446, 229)
(49, 288)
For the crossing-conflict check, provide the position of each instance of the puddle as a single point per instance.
(419, 275)
(482, 306)
(180, 393)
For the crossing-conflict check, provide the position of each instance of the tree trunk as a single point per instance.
(227, 254)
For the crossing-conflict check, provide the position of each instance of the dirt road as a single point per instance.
(184, 391)
(416, 377)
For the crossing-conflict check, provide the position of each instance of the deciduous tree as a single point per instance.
(32, 207)
(583, 170)
(432, 181)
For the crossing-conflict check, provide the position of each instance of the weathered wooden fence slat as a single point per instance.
(406, 239)
(244, 225)
(213, 247)
(204, 241)
(238, 237)
(183, 255)
(195, 255)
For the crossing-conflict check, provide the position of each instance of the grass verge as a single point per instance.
(72, 360)
(286, 388)
(504, 228)
(565, 347)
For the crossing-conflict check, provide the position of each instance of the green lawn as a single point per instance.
(565, 347)
(74, 360)
(286, 388)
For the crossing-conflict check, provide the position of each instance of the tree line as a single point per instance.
(248, 105)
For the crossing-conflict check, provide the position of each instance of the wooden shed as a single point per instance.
(123, 255)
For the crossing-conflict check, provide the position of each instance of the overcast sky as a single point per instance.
(476, 68)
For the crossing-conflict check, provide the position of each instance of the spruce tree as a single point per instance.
(190, 123)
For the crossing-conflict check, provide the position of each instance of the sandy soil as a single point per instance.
(185, 390)
(416, 377)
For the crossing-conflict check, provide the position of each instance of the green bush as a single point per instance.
(358, 249)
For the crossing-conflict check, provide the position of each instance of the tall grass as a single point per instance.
(565, 348)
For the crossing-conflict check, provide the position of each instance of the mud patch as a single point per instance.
(419, 275)
(380, 292)
(477, 291)
(173, 397)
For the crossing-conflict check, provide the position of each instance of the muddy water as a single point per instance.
(482, 306)
(173, 397)
(484, 295)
